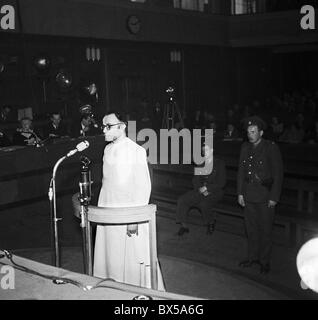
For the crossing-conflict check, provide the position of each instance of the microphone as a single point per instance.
(79, 148)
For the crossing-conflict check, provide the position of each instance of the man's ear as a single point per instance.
(123, 126)
(261, 133)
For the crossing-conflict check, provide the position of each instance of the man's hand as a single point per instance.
(31, 141)
(271, 203)
(132, 229)
(240, 200)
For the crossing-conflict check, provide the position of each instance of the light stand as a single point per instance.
(44, 91)
(171, 109)
(85, 198)
(54, 219)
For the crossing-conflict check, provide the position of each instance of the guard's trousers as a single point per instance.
(259, 224)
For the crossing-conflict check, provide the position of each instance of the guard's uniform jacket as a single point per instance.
(260, 172)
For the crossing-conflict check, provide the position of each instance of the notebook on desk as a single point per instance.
(11, 148)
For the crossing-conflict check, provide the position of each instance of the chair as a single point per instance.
(125, 215)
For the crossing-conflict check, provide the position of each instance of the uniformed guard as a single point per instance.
(259, 183)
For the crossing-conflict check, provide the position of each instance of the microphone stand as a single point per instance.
(53, 215)
(52, 198)
(85, 198)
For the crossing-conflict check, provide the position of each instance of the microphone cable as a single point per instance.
(56, 280)
(62, 280)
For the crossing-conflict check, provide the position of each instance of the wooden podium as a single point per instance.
(123, 215)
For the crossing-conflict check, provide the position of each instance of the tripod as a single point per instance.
(171, 110)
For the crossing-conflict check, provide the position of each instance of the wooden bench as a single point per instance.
(226, 210)
(293, 214)
(295, 210)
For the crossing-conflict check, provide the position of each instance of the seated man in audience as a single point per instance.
(26, 136)
(232, 116)
(213, 125)
(7, 115)
(56, 128)
(208, 119)
(312, 134)
(198, 121)
(276, 128)
(87, 127)
(292, 134)
(207, 191)
(4, 140)
(231, 132)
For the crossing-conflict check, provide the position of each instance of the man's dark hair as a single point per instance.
(55, 112)
(118, 115)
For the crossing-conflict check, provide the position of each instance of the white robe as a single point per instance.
(126, 183)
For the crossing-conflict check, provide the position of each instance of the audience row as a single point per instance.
(26, 134)
(291, 118)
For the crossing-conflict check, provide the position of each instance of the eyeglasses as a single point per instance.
(109, 126)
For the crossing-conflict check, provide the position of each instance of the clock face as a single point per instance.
(133, 24)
